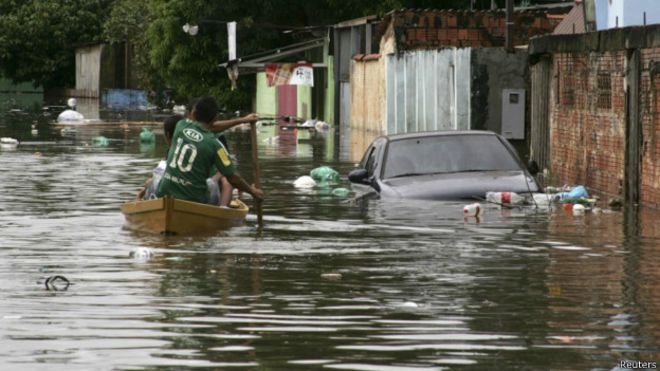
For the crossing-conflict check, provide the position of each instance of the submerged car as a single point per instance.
(449, 165)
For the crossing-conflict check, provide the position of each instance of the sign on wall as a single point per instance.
(289, 74)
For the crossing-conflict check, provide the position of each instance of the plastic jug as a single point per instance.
(472, 210)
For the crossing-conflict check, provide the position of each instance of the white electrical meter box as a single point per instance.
(513, 113)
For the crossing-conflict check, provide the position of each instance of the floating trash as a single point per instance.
(70, 117)
(325, 174)
(147, 136)
(51, 283)
(304, 181)
(141, 253)
(331, 276)
(100, 141)
(472, 210)
(8, 143)
(578, 210)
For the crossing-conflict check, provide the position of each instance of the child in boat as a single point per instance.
(194, 151)
(148, 191)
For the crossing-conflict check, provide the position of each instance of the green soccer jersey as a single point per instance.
(194, 152)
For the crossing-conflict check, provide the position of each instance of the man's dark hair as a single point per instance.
(169, 124)
(190, 106)
(206, 109)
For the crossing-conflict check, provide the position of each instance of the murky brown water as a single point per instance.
(374, 286)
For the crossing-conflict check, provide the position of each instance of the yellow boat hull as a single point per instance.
(172, 216)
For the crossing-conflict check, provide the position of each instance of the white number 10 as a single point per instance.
(179, 157)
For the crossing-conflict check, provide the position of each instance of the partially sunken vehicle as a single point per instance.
(449, 165)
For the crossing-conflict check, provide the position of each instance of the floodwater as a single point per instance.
(374, 285)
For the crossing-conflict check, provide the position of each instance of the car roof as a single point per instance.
(426, 134)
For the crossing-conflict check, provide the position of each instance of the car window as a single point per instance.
(447, 154)
(371, 161)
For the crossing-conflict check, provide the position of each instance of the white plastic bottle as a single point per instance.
(511, 198)
(472, 210)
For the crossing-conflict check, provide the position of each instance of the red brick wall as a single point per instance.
(650, 117)
(587, 138)
(588, 122)
(420, 29)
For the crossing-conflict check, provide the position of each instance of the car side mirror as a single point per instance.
(533, 167)
(358, 176)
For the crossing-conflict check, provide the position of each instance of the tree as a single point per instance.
(38, 38)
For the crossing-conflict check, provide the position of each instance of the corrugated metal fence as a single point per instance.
(428, 90)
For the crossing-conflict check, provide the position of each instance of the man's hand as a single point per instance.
(251, 118)
(257, 193)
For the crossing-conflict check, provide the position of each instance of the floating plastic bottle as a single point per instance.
(472, 210)
(509, 198)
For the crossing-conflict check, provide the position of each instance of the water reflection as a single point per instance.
(375, 286)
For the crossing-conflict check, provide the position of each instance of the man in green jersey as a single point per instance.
(194, 151)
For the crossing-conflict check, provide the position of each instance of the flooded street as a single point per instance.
(377, 285)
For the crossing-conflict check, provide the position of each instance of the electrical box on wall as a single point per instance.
(513, 113)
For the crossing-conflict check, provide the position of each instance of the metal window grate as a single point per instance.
(567, 92)
(604, 91)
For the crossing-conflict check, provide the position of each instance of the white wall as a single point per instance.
(631, 12)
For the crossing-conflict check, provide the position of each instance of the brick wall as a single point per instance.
(424, 29)
(587, 126)
(650, 117)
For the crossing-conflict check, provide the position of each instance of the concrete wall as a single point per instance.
(493, 69)
(368, 104)
(88, 70)
(428, 90)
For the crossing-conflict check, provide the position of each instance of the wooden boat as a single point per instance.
(172, 216)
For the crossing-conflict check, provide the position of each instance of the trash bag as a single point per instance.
(147, 136)
(304, 182)
(325, 174)
(100, 141)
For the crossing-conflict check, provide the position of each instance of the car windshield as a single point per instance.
(447, 154)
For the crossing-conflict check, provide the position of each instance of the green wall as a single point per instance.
(266, 96)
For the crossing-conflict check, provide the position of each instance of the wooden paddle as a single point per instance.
(256, 172)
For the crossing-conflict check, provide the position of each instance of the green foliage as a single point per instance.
(38, 38)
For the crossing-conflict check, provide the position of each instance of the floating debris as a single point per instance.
(100, 141)
(141, 253)
(304, 181)
(325, 174)
(472, 210)
(147, 136)
(51, 283)
(70, 117)
(8, 143)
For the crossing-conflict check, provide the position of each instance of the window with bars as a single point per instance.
(567, 92)
(604, 91)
